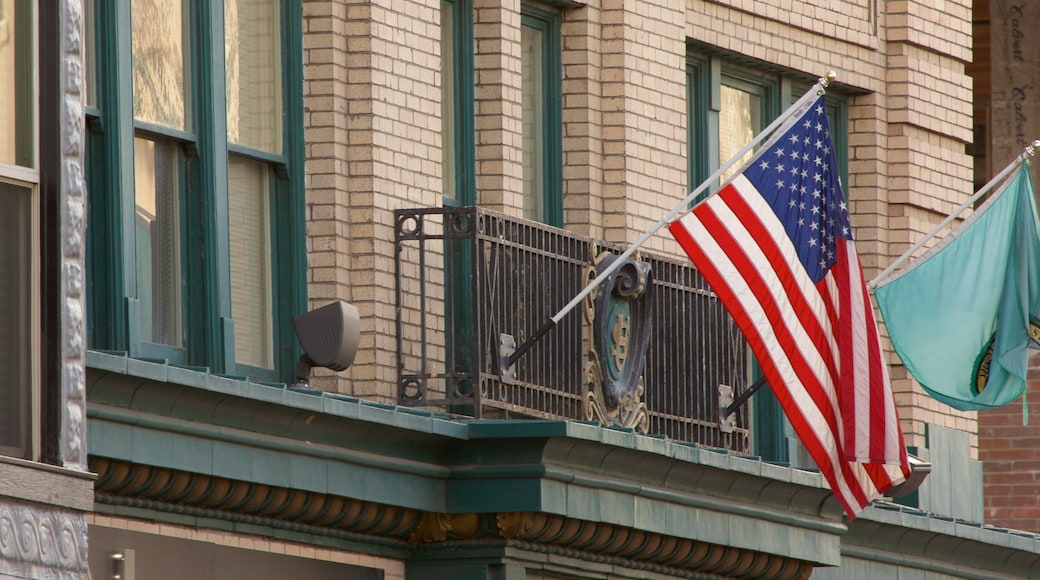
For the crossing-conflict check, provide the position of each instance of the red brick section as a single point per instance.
(1010, 453)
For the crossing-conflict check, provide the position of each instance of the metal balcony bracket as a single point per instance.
(727, 420)
(506, 348)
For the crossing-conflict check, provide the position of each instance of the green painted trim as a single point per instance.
(198, 447)
(548, 23)
(731, 507)
(932, 565)
(769, 433)
(465, 136)
(465, 126)
(279, 447)
(111, 215)
(289, 262)
(765, 86)
(712, 124)
(838, 110)
(208, 98)
(459, 257)
(698, 96)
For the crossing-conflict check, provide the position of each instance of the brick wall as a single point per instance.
(929, 173)
(1010, 452)
(372, 88)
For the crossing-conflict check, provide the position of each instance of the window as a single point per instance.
(728, 105)
(541, 115)
(19, 233)
(196, 234)
(457, 102)
(17, 84)
(18, 316)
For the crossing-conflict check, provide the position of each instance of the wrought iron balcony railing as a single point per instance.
(469, 279)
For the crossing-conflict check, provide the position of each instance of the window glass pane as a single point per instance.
(533, 119)
(250, 245)
(253, 67)
(160, 74)
(448, 96)
(157, 241)
(17, 78)
(740, 119)
(15, 318)
(89, 55)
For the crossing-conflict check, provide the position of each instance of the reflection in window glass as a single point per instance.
(157, 241)
(448, 97)
(160, 75)
(7, 85)
(254, 82)
(15, 319)
(250, 245)
(89, 55)
(17, 78)
(533, 119)
(740, 119)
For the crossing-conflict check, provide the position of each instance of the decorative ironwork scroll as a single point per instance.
(620, 317)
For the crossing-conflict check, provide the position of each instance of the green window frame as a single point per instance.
(216, 156)
(767, 93)
(457, 98)
(459, 166)
(541, 102)
(710, 80)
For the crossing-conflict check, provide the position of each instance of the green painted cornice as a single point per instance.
(136, 490)
(187, 420)
(912, 539)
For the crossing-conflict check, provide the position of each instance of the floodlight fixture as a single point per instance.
(329, 336)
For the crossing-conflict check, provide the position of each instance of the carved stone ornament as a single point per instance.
(514, 524)
(37, 542)
(434, 527)
(73, 233)
(620, 317)
(711, 560)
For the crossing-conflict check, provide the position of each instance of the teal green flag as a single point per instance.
(960, 316)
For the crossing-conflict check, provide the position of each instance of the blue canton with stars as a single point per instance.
(798, 177)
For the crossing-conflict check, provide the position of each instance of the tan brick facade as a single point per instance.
(373, 145)
(373, 130)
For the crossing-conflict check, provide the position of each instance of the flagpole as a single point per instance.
(998, 179)
(507, 360)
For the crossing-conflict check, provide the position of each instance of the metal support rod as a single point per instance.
(527, 344)
(817, 89)
(997, 180)
(740, 400)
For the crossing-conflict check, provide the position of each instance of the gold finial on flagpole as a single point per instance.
(821, 84)
(1031, 150)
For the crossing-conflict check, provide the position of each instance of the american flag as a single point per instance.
(776, 246)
